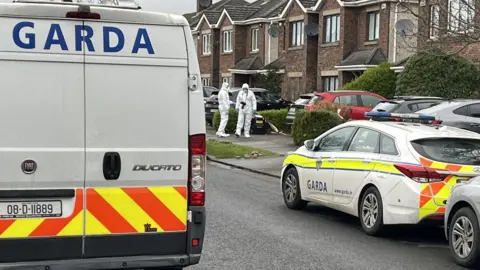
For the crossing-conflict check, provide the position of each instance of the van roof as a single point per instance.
(108, 13)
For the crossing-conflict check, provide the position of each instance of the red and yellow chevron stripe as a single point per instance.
(110, 211)
(433, 195)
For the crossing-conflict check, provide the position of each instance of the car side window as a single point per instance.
(336, 140)
(420, 106)
(365, 140)
(461, 111)
(387, 146)
(369, 101)
(350, 100)
(474, 110)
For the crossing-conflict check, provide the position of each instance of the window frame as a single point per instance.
(254, 33)
(364, 105)
(206, 44)
(327, 80)
(377, 147)
(356, 97)
(434, 22)
(328, 37)
(383, 135)
(228, 80)
(376, 25)
(470, 110)
(227, 37)
(207, 80)
(299, 39)
(318, 141)
(455, 23)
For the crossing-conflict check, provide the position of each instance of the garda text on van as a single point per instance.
(29, 35)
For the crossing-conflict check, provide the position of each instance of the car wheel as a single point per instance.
(291, 190)
(370, 211)
(463, 238)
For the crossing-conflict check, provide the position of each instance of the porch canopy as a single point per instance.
(362, 60)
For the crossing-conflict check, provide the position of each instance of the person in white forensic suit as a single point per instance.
(246, 107)
(224, 109)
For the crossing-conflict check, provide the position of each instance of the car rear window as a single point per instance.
(302, 100)
(449, 150)
(315, 99)
(386, 106)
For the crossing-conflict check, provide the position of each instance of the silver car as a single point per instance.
(462, 218)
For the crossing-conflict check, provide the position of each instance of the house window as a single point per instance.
(297, 33)
(332, 29)
(227, 41)
(255, 39)
(330, 83)
(434, 20)
(206, 81)
(227, 80)
(207, 41)
(373, 25)
(461, 14)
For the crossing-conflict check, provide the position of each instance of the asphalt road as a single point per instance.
(249, 227)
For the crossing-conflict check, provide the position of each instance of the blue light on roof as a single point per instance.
(399, 115)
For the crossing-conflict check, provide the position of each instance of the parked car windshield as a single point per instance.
(315, 99)
(302, 100)
(449, 150)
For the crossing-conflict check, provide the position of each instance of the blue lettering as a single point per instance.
(143, 34)
(106, 39)
(87, 38)
(30, 37)
(317, 185)
(51, 40)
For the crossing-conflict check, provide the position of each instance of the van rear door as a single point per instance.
(136, 139)
(41, 139)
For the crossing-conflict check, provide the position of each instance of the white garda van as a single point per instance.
(102, 139)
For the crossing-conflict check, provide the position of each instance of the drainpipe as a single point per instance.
(269, 45)
(396, 34)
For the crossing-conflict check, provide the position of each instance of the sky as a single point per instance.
(169, 6)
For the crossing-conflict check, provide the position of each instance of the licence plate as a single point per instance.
(214, 110)
(259, 122)
(292, 109)
(30, 209)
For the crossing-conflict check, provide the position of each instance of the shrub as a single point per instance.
(276, 117)
(436, 73)
(342, 110)
(311, 124)
(232, 121)
(380, 80)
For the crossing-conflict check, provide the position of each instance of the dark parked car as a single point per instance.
(407, 104)
(299, 104)
(265, 99)
(207, 92)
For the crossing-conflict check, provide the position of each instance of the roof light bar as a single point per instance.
(400, 115)
(113, 3)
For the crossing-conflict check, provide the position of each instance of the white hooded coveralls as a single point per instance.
(223, 107)
(245, 115)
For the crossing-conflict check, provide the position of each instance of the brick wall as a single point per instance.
(204, 60)
(261, 41)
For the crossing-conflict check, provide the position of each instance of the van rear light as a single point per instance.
(83, 15)
(420, 174)
(196, 177)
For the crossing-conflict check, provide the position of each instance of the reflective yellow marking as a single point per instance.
(74, 227)
(173, 201)
(93, 226)
(22, 227)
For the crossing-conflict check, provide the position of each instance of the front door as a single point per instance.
(41, 141)
(354, 165)
(318, 178)
(136, 141)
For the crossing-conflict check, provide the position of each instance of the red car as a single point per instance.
(359, 102)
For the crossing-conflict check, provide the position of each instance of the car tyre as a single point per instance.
(464, 230)
(291, 190)
(370, 212)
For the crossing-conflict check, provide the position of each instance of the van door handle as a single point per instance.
(475, 125)
(112, 166)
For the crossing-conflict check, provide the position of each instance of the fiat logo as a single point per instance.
(29, 166)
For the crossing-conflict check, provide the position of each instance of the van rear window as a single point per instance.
(449, 150)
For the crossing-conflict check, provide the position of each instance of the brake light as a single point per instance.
(420, 174)
(437, 122)
(83, 15)
(196, 177)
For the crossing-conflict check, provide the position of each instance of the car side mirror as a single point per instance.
(309, 144)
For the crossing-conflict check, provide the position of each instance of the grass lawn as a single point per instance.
(221, 150)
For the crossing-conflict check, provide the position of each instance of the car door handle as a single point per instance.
(475, 125)
(112, 165)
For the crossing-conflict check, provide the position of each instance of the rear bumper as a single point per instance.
(108, 263)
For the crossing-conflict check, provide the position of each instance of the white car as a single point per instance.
(385, 172)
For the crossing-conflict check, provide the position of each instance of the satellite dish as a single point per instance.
(205, 3)
(404, 27)
(274, 31)
(311, 29)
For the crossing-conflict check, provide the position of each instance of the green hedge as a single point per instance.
(380, 80)
(276, 117)
(311, 124)
(232, 121)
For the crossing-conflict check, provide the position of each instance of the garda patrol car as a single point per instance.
(398, 170)
(95, 171)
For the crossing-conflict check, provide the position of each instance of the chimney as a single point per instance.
(203, 4)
